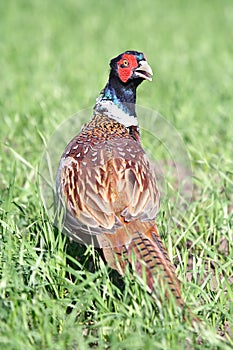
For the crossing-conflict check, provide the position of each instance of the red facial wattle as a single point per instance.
(125, 71)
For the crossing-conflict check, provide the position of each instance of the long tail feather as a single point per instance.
(151, 253)
(140, 242)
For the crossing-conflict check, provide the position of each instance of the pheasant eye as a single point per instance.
(125, 63)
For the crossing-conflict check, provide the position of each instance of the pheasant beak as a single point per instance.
(144, 71)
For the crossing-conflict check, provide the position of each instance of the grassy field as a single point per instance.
(54, 61)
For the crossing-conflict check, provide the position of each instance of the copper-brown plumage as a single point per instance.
(109, 188)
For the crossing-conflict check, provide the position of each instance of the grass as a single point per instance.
(54, 58)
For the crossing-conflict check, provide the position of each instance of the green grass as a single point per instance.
(54, 61)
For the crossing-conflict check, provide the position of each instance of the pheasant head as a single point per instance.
(127, 71)
(131, 66)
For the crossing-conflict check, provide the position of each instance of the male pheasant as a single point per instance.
(107, 186)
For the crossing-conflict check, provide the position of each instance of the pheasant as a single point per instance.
(106, 185)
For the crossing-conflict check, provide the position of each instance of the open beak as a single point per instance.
(144, 71)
